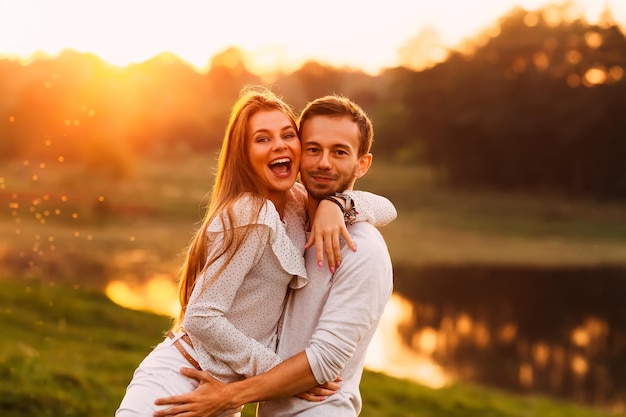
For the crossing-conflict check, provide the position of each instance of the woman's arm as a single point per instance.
(372, 208)
(213, 297)
(330, 222)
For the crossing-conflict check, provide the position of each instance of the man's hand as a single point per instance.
(208, 400)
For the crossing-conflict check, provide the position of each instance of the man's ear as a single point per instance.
(365, 162)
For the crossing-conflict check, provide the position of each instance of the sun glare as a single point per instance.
(277, 34)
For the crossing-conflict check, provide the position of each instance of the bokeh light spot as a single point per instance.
(573, 80)
(531, 19)
(573, 56)
(616, 73)
(595, 76)
(593, 39)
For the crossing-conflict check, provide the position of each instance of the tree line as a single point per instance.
(536, 105)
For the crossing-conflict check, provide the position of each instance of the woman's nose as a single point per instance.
(279, 143)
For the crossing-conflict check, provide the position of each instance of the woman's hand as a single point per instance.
(328, 226)
(321, 392)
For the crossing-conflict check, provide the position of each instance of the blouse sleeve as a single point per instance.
(372, 208)
(211, 299)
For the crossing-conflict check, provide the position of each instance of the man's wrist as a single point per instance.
(239, 393)
(230, 399)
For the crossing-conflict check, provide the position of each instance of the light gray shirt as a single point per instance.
(333, 319)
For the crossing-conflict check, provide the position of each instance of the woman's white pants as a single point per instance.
(158, 376)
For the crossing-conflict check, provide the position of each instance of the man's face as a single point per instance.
(330, 161)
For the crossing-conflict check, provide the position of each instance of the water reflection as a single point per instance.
(559, 332)
(387, 353)
(158, 295)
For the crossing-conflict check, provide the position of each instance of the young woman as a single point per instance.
(243, 258)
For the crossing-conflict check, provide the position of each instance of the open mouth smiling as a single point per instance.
(281, 166)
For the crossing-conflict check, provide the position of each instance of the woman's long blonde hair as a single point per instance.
(232, 179)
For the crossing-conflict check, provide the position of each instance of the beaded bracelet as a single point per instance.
(349, 215)
(334, 200)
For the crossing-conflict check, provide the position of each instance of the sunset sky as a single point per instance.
(358, 33)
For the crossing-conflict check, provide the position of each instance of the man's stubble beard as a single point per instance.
(337, 188)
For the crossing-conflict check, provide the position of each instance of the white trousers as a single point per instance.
(157, 376)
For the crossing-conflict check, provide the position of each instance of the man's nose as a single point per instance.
(324, 161)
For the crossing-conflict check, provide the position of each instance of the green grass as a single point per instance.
(69, 351)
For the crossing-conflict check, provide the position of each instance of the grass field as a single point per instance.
(71, 352)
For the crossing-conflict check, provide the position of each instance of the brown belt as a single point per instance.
(182, 350)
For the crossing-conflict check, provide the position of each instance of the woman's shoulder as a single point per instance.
(247, 209)
(296, 198)
(250, 209)
(297, 191)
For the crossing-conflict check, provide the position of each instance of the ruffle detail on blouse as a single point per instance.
(291, 258)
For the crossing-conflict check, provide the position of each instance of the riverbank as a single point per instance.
(73, 351)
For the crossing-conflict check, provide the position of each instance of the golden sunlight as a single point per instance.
(158, 295)
(388, 354)
(275, 34)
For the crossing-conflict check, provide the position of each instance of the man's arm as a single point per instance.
(212, 397)
(290, 377)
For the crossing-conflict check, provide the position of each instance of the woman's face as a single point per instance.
(274, 150)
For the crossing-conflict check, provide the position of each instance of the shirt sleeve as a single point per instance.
(372, 208)
(355, 304)
(212, 298)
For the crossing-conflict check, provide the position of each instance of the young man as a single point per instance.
(329, 323)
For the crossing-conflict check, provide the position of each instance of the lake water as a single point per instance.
(555, 331)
